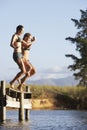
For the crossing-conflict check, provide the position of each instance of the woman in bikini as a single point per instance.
(28, 66)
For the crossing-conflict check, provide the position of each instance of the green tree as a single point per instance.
(79, 65)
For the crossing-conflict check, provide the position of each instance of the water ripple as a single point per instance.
(47, 120)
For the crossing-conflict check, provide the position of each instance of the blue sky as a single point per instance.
(50, 22)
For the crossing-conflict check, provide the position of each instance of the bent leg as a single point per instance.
(29, 74)
(16, 78)
(22, 82)
(33, 71)
(22, 68)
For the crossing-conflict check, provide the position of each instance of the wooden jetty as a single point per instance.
(10, 98)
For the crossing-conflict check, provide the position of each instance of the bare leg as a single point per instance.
(28, 68)
(29, 74)
(19, 81)
(32, 72)
(23, 70)
(22, 82)
(15, 78)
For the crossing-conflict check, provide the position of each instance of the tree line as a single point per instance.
(79, 66)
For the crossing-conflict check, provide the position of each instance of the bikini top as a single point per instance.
(18, 40)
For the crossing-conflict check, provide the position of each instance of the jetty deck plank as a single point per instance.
(12, 99)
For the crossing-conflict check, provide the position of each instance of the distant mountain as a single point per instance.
(68, 81)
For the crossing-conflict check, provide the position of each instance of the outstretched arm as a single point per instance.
(28, 44)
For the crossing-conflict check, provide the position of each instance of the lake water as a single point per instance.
(47, 120)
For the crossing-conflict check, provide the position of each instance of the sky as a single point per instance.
(50, 22)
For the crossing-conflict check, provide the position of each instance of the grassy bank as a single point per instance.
(67, 97)
(58, 97)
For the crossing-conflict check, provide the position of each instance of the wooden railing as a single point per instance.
(10, 98)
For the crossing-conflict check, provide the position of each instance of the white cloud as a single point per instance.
(43, 73)
(54, 72)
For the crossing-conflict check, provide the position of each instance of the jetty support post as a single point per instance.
(27, 110)
(2, 102)
(21, 109)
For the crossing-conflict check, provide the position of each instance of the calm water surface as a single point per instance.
(47, 120)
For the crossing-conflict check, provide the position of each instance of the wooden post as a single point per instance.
(21, 109)
(26, 110)
(2, 107)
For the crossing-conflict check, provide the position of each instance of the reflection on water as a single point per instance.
(47, 120)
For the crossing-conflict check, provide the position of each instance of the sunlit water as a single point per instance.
(47, 120)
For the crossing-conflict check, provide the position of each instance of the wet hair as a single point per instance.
(19, 27)
(26, 35)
